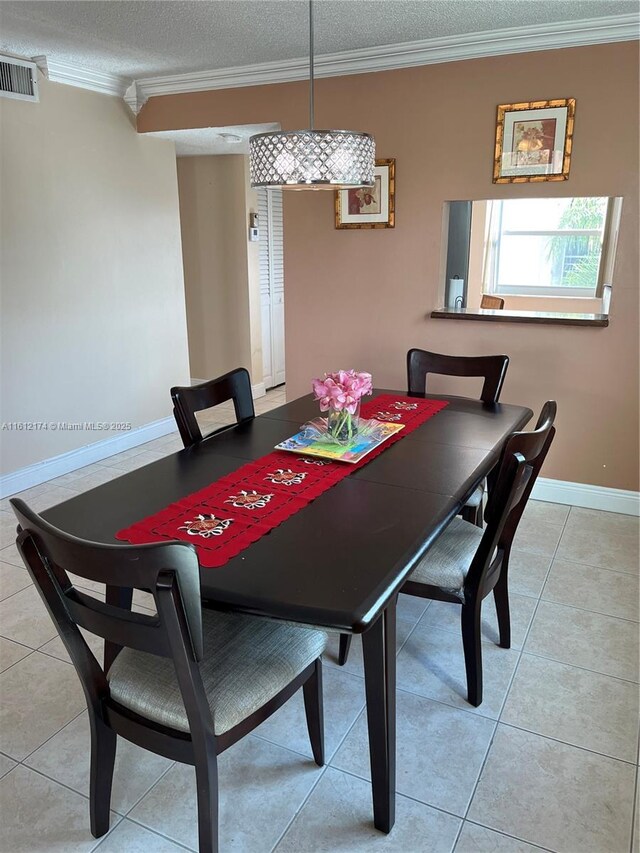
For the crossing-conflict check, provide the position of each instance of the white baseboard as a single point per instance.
(588, 497)
(49, 469)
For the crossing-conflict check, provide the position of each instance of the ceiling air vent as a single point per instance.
(18, 78)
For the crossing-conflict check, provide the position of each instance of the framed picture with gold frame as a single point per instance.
(370, 207)
(534, 141)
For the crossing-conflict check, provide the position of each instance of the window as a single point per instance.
(550, 246)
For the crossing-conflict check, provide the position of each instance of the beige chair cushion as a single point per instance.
(447, 562)
(246, 662)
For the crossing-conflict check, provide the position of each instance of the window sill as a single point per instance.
(540, 317)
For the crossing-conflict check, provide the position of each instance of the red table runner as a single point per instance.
(228, 515)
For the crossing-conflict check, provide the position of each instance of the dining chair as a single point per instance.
(187, 682)
(466, 563)
(420, 363)
(491, 368)
(187, 400)
(488, 301)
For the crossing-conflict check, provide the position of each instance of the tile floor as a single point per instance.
(549, 761)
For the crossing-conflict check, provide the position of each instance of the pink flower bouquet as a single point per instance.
(339, 394)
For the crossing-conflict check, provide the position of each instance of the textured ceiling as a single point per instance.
(142, 39)
(194, 142)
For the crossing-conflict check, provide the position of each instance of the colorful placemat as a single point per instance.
(227, 516)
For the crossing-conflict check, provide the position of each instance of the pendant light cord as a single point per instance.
(311, 111)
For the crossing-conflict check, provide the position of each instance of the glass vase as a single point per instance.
(342, 426)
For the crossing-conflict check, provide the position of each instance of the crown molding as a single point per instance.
(84, 78)
(134, 98)
(404, 55)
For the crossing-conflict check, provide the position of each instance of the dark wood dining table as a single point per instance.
(341, 561)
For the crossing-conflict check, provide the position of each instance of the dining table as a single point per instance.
(341, 561)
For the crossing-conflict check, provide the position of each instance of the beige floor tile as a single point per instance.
(40, 695)
(548, 512)
(591, 588)
(589, 640)
(6, 764)
(12, 579)
(537, 537)
(573, 705)
(11, 555)
(87, 584)
(117, 458)
(156, 444)
(69, 480)
(431, 664)
(338, 817)
(224, 412)
(440, 751)
(11, 653)
(479, 839)
(343, 700)
(96, 478)
(558, 796)
(130, 837)
(65, 758)
(355, 661)
(145, 457)
(446, 616)
(412, 608)
(145, 599)
(24, 618)
(56, 647)
(604, 539)
(39, 815)
(261, 786)
(138, 608)
(8, 525)
(528, 572)
(52, 496)
(171, 444)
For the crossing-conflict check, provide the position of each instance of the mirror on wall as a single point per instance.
(543, 255)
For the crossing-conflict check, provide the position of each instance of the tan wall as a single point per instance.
(214, 247)
(93, 318)
(438, 121)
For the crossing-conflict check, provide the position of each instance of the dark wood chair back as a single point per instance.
(493, 368)
(187, 400)
(169, 570)
(494, 302)
(516, 474)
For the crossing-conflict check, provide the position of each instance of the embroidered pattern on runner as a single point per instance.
(227, 516)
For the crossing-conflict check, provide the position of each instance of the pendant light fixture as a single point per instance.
(312, 159)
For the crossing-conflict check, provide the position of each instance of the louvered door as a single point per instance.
(271, 285)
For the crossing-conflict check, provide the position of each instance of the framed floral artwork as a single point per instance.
(369, 207)
(534, 141)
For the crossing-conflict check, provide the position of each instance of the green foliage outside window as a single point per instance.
(575, 259)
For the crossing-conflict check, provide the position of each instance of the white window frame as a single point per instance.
(557, 290)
